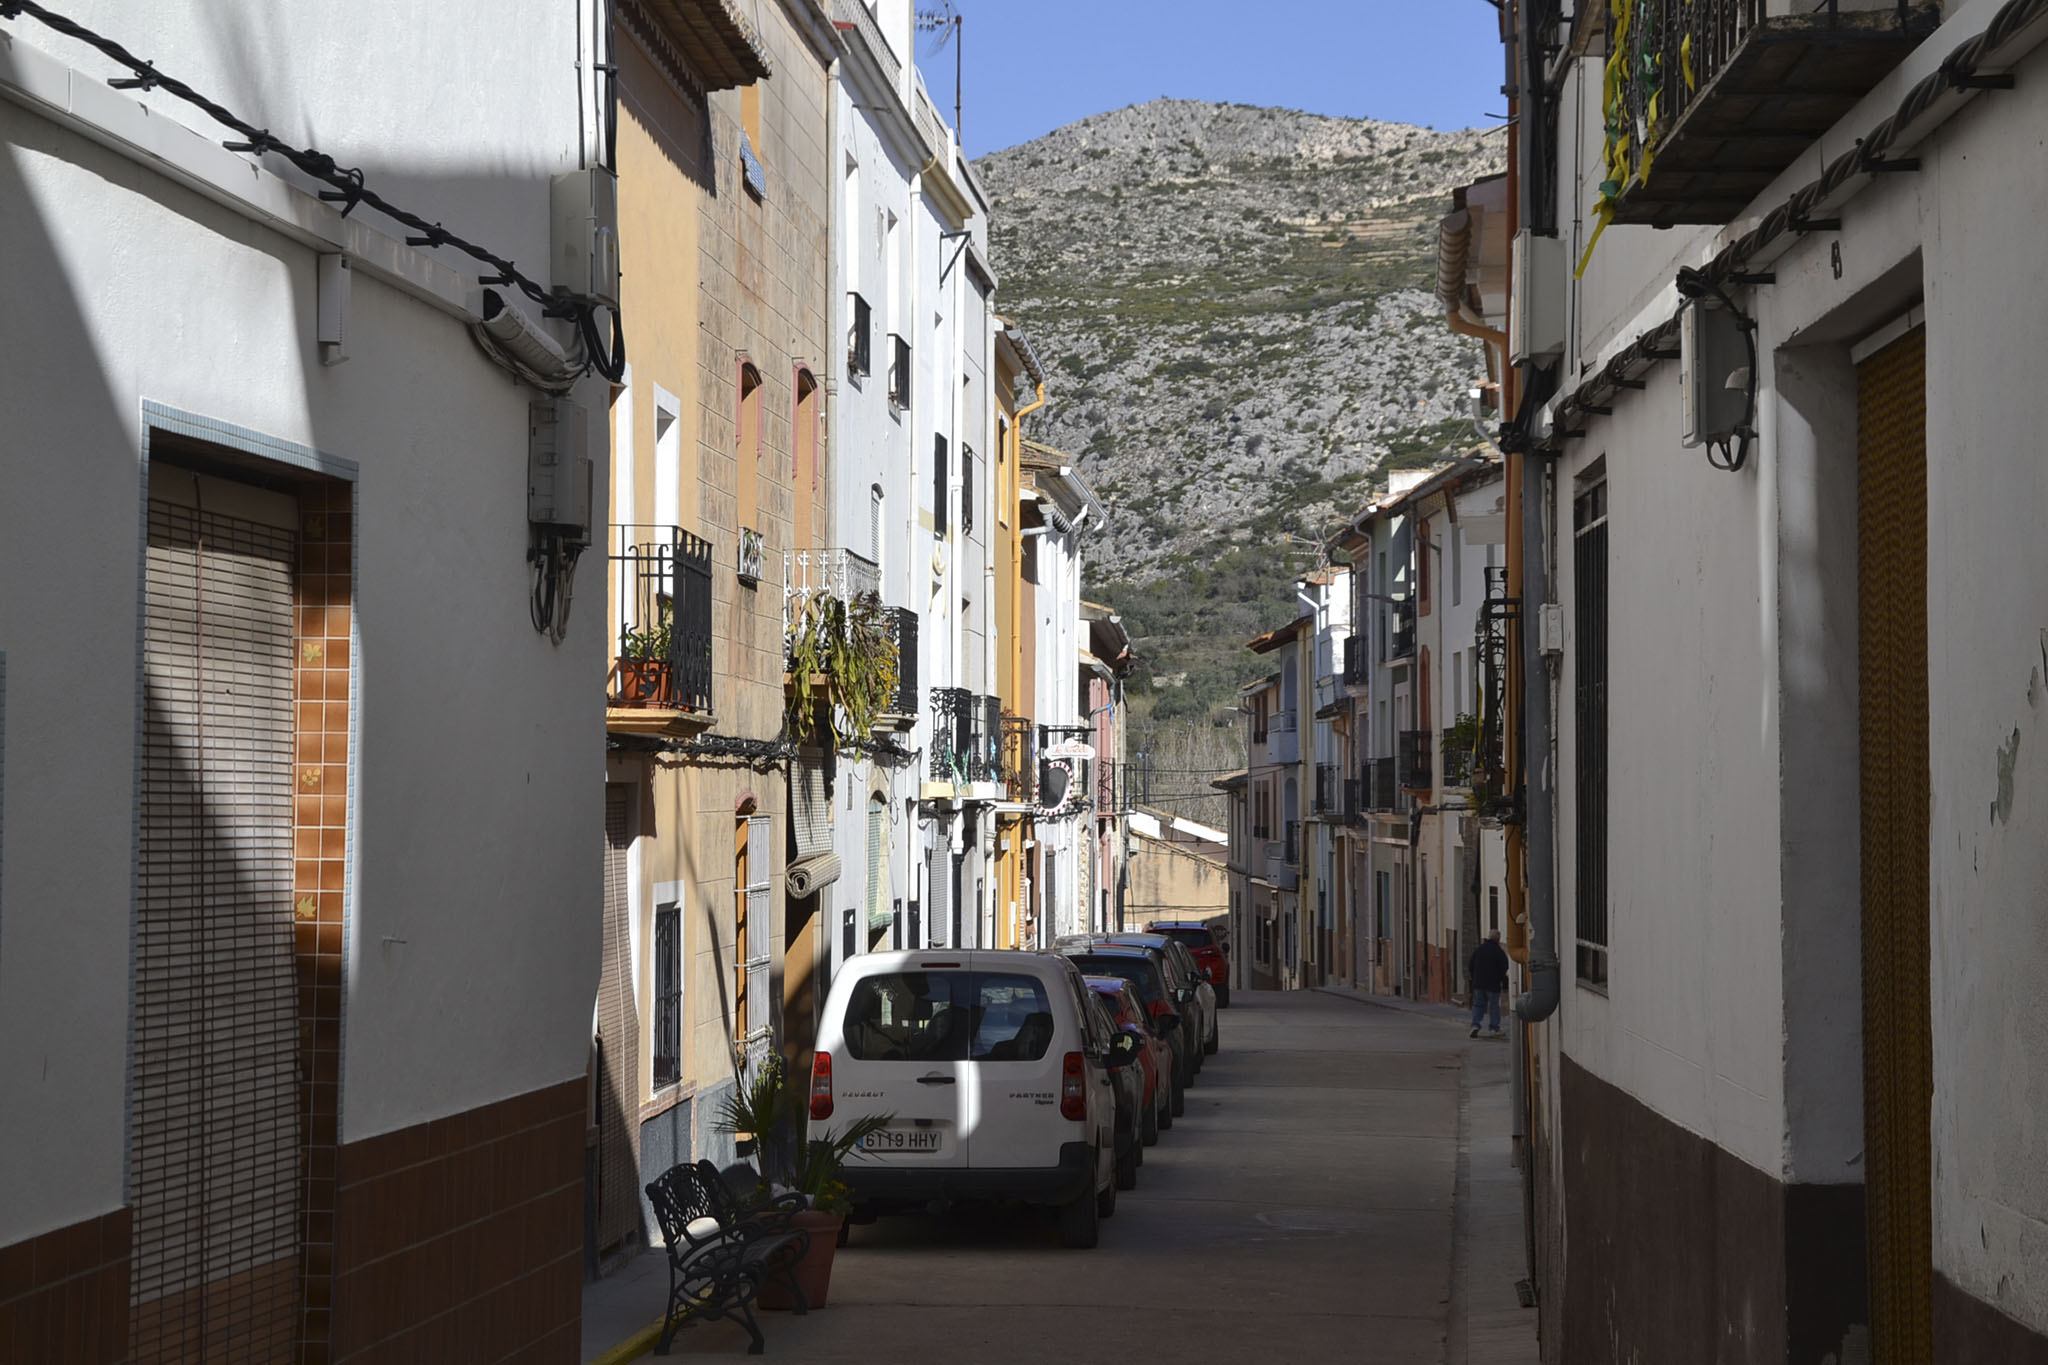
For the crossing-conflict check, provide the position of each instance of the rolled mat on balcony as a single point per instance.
(808, 875)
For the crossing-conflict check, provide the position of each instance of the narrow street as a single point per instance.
(1306, 1205)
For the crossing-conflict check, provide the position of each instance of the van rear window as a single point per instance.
(1194, 938)
(948, 1017)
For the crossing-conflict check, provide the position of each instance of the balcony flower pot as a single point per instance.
(642, 682)
(813, 1270)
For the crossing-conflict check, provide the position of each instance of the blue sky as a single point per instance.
(1032, 65)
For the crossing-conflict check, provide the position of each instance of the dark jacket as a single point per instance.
(1489, 967)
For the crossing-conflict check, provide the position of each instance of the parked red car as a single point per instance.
(1206, 945)
(1155, 1054)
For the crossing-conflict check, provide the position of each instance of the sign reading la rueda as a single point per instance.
(1070, 748)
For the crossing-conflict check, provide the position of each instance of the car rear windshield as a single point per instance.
(1139, 971)
(948, 1017)
(1194, 938)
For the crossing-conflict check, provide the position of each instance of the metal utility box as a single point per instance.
(559, 475)
(1536, 303)
(586, 233)
(1713, 380)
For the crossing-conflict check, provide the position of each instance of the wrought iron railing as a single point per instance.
(1355, 656)
(1325, 798)
(1291, 844)
(903, 625)
(1020, 759)
(661, 584)
(954, 715)
(1413, 753)
(966, 736)
(1106, 802)
(834, 572)
(1383, 784)
(1357, 796)
(1402, 643)
(1457, 748)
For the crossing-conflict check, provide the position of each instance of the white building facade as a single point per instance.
(301, 816)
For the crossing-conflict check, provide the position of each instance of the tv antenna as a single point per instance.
(943, 17)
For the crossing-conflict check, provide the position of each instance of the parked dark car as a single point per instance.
(1147, 970)
(1192, 991)
(1208, 948)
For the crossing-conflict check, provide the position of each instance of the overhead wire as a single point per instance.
(348, 188)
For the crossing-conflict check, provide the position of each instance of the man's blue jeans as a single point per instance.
(1486, 1002)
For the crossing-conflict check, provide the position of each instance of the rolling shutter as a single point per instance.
(214, 1123)
(1892, 710)
(618, 1038)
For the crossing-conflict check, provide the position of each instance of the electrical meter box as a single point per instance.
(1713, 378)
(559, 475)
(586, 233)
(1537, 272)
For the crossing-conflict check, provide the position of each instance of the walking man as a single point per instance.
(1489, 973)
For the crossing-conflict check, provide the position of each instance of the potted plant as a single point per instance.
(769, 1114)
(643, 667)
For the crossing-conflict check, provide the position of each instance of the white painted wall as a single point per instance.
(477, 783)
(1732, 1009)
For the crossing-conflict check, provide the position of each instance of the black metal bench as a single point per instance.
(720, 1252)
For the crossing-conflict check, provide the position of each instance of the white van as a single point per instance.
(995, 1075)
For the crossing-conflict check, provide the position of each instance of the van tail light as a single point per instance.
(821, 1086)
(1073, 1089)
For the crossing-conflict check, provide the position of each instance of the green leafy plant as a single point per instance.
(649, 641)
(850, 645)
(769, 1113)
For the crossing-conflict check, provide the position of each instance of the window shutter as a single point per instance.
(967, 489)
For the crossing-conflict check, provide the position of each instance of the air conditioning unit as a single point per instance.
(1536, 298)
(586, 233)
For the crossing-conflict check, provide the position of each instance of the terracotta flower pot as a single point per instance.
(643, 682)
(814, 1269)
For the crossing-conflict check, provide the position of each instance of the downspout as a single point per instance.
(1540, 850)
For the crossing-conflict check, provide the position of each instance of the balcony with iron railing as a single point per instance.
(1107, 804)
(1707, 101)
(832, 572)
(1458, 746)
(660, 589)
(1019, 774)
(901, 713)
(1383, 787)
(964, 737)
(1326, 791)
(1356, 666)
(1413, 755)
(1401, 640)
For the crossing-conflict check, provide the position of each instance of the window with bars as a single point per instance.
(1589, 701)
(668, 995)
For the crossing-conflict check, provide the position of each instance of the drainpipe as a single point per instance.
(1540, 850)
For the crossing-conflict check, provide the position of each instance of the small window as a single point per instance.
(668, 995)
(967, 489)
(940, 487)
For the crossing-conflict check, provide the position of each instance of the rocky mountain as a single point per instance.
(1234, 305)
